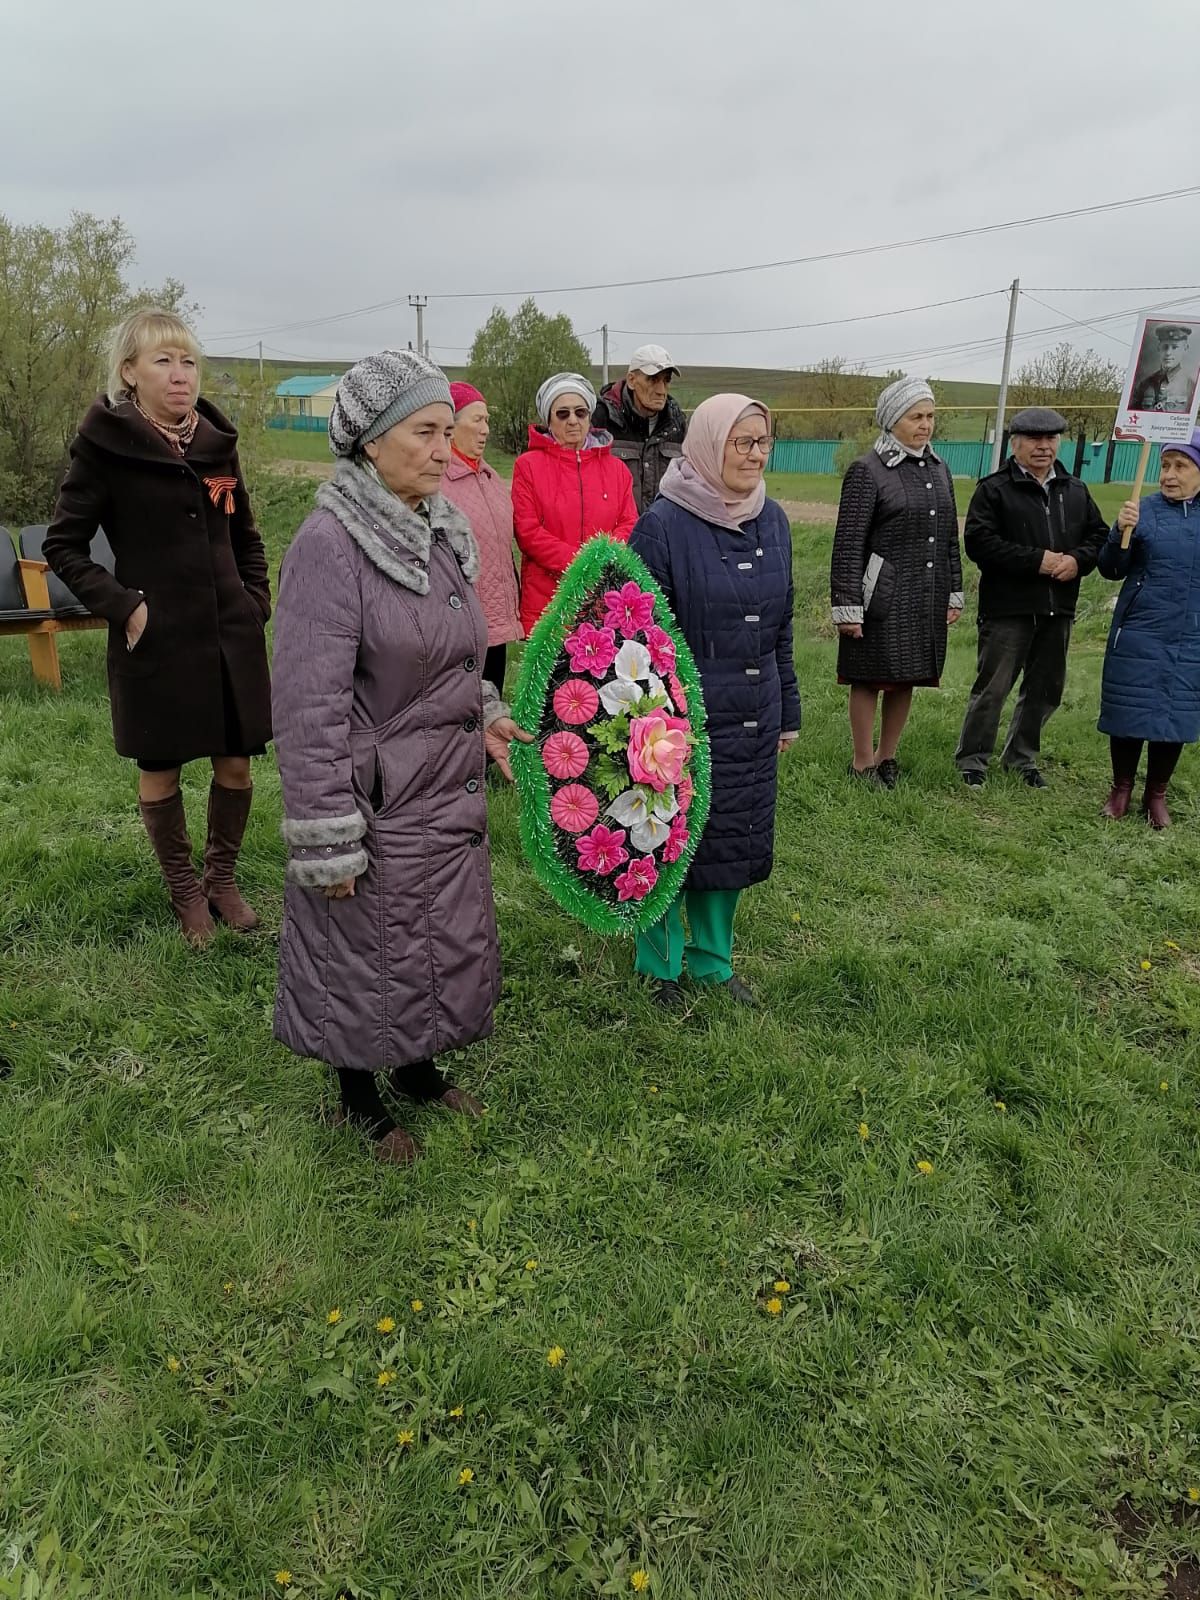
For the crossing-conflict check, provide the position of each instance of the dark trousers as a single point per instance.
(1160, 764)
(1033, 649)
(494, 663)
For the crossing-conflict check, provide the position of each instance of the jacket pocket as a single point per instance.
(141, 659)
(879, 588)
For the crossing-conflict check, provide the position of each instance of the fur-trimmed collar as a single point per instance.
(391, 535)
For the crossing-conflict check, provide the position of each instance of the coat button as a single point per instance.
(929, 563)
(932, 512)
(192, 514)
(476, 840)
(933, 538)
(470, 664)
(455, 603)
(470, 725)
(471, 785)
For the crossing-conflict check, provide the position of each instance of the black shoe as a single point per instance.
(974, 780)
(740, 992)
(867, 775)
(668, 995)
(1034, 779)
(888, 773)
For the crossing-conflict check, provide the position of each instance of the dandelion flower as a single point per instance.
(1146, 966)
(924, 1168)
(796, 916)
(639, 1580)
(999, 1105)
(385, 1325)
(555, 1356)
(456, 1411)
(465, 1477)
(418, 1305)
(472, 1225)
(774, 1306)
(782, 1286)
(531, 1265)
(283, 1577)
(1164, 1086)
(653, 1089)
(334, 1316)
(863, 1131)
(227, 1286)
(74, 1216)
(1194, 1494)
(384, 1378)
(405, 1437)
(1171, 945)
(173, 1363)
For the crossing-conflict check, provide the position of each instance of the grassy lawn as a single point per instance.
(795, 1361)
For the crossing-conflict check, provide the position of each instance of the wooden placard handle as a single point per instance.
(1139, 480)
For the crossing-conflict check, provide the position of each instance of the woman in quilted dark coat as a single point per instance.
(1150, 692)
(896, 579)
(722, 554)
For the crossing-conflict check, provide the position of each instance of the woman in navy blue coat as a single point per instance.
(722, 553)
(1151, 686)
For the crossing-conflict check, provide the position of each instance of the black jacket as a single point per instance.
(1011, 523)
(646, 452)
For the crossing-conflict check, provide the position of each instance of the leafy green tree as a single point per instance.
(1080, 384)
(61, 292)
(512, 356)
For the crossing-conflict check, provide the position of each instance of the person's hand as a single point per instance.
(952, 616)
(850, 630)
(1051, 561)
(340, 891)
(497, 739)
(1127, 517)
(135, 625)
(1068, 569)
(786, 741)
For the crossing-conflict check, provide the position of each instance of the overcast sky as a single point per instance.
(290, 162)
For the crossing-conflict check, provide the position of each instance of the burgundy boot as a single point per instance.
(1118, 800)
(166, 824)
(1154, 806)
(228, 810)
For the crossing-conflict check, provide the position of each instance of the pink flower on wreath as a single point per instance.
(658, 749)
(591, 649)
(677, 693)
(576, 701)
(564, 755)
(677, 838)
(662, 650)
(602, 850)
(628, 609)
(574, 808)
(636, 882)
(685, 790)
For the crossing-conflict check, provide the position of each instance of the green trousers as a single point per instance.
(707, 948)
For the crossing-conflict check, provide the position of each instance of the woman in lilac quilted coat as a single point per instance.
(383, 724)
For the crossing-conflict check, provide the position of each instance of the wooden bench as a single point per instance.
(36, 603)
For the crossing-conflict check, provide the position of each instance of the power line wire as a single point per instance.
(1076, 322)
(792, 327)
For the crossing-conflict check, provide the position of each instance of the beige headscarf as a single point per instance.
(695, 482)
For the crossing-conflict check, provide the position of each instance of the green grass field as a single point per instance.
(795, 1361)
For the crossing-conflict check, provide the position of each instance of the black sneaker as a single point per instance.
(668, 995)
(867, 775)
(888, 773)
(740, 991)
(1034, 779)
(974, 780)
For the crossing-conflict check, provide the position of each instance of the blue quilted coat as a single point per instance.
(1151, 684)
(732, 597)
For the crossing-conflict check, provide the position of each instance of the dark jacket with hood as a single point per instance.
(647, 445)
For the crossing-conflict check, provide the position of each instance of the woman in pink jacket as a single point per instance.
(567, 487)
(482, 496)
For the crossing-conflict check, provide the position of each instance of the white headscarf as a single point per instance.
(895, 400)
(563, 383)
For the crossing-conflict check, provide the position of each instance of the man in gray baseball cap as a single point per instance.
(1033, 531)
(647, 425)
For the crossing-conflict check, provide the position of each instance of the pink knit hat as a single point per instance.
(465, 394)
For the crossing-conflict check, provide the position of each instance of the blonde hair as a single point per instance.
(147, 329)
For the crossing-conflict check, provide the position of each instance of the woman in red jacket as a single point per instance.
(565, 488)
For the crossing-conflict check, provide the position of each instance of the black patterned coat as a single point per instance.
(906, 516)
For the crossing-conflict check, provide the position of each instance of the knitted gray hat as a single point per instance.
(898, 398)
(380, 391)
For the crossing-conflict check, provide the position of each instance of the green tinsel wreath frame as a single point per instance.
(601, 564)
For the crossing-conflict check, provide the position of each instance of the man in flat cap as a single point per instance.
(1169, 386)
(646, 424)
(1033, 531)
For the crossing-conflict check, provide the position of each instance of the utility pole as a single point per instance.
(418, 303)
(604, 362)
(260, 372)
(1014, 295)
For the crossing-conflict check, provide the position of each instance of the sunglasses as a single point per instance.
(563, 414)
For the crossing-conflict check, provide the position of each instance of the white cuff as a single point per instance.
(957, 601)
(842, 614)
(310, 834)
(320, 872)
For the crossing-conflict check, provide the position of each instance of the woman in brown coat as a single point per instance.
(157, 468)
(388, 954)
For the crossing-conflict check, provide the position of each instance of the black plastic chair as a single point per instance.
(63, 602)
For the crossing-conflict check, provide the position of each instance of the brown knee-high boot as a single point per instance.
(166, 824)
(228, 810)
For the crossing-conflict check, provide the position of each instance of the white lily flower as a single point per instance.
(619, 694)
(633, 662)
(665, 805)
(630, 808)
(650, 834)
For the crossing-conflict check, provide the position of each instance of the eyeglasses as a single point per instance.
(746, 443)
(563, 415)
